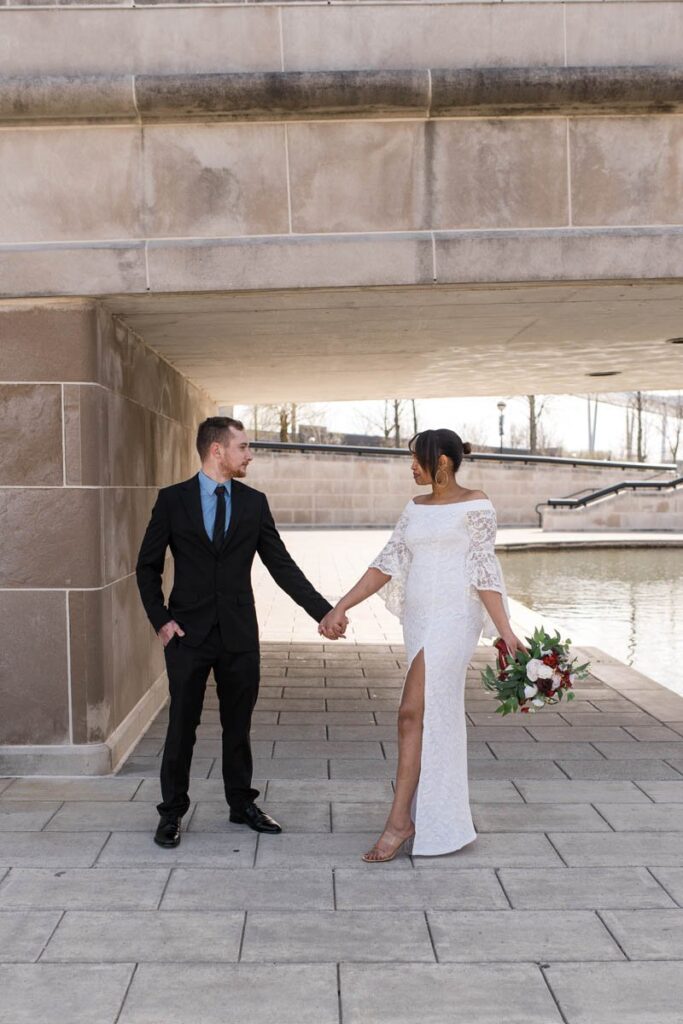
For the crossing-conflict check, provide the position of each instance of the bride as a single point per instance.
(441, 577)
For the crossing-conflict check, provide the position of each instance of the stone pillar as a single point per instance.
(92, 422)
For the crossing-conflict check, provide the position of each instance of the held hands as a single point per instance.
(513, 643)
(333, 626)
(168, 631)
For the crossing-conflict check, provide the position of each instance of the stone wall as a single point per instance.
(91, 423)
(628, 510)
(307, 489)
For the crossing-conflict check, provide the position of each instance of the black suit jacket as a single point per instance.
(212, 586)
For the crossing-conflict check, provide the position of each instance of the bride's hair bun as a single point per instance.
(466, 448)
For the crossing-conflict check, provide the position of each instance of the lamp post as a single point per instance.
(501, 423)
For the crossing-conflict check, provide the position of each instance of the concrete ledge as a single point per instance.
(302, 95)
(87, 758)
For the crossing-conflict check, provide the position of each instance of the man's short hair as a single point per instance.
(216, 428)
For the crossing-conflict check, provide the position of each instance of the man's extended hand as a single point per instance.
(168, 631)
(333, 626)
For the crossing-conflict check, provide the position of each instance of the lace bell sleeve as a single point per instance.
(482, 566)
(394, 561)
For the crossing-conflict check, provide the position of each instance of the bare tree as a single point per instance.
(671, 427)
(536, 410)
(635, 424)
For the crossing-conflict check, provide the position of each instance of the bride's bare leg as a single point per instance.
(410, 717)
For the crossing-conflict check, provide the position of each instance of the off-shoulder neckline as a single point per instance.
(450, 504)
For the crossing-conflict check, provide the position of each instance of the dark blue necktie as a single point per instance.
(219, 523)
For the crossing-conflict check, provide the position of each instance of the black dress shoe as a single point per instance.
(254, 817)
(168, 832)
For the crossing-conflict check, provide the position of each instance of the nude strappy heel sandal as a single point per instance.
(403, 842)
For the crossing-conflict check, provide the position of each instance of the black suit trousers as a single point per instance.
(237, 683)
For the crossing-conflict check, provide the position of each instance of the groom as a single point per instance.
(214, 525)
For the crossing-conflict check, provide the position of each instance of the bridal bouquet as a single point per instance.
(528, 682)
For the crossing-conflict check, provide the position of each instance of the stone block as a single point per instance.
(72, 789)
(621, 849)
(400, 993)
(148, 936)
(136, 849)
(664, 792)
(37, 713)
(500, 935)
(94, 816)
(213, 817)
(291, 262)
(567, 817)
(317, 791)
(81, 994)
(30, 414)
(659, 817)
(23, 934)
(43, 850)
(642, 749)
(453, 35)
(627, 34)
(521, 179)
(336, 935)
(218, 994)
(25, 815)
(80, 269)
(492, 850)
(89, 889)
(216, 180)
(647, 934)
(334, 849)
(95, 197)
(473, 889)
(70, 328)
(576, 791)
(613, 769)
(249, 889)
(611, 993)
(583, 889)
(517, 769)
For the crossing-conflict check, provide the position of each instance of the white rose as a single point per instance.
(572, 678)
(530, 691)
(557, 680)
(545, 671)
(537, 702)
(532, 669)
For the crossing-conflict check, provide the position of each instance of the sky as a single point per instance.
(564, 422)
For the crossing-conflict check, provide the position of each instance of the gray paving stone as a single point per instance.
(518, 935)
(547, 751)
(583, 889)
(277, 704)
(581, 733)
(352, 790)
(493, 850)
(214, 817)
(648, 934)
(493, 791)
(335, 849)
(568, 817)
(26, 815)
(631, 751)
(471, 889)
(620, 848)
(148, 936)
(83, 889)
(99, 816)
(484, 734)
(249, 889)
(48, 849)
(24, 934)
(71, 789)
(659, 817)
(291, 693)
(363, 732)
(653, 733)
(345, 768)
(576, 791)
(475, 751)
(517, 768)
(612, 769)
(671, 878)
(148, 767)
(214, 749)
(289, 732)
(668, 792)
(150, 746)
(327, 748)
(360, 817)
(327, 717)
(629, 993)
(607, 718)
(232, 994)
(285, 768)
(73, 993)
(205, 849)
(490, 718)
(349, 935)
(445, 994)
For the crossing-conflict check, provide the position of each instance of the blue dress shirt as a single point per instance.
(207, 492)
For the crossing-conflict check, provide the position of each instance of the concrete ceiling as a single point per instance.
(420, 342)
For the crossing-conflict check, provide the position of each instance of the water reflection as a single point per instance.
(623, 601)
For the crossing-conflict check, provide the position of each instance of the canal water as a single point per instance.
(627, 601)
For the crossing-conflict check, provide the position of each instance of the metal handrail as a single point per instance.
(604, 492)
(554, 460)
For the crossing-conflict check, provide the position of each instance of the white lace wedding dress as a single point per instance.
(439, 557)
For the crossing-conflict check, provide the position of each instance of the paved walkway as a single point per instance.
(565, 908)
